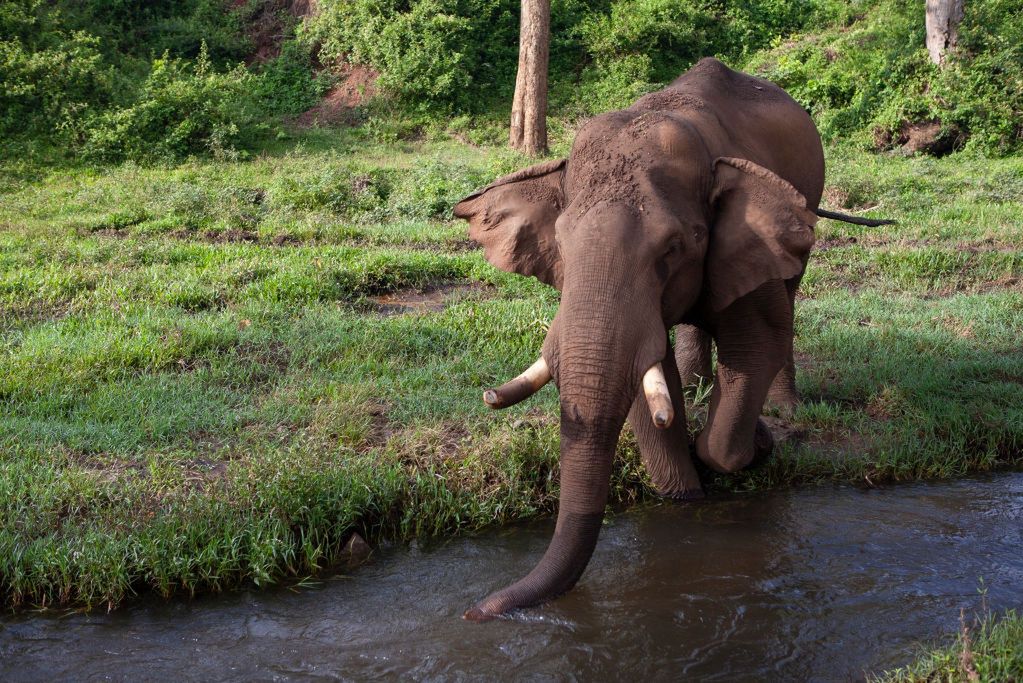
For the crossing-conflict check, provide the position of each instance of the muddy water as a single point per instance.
(816, 584)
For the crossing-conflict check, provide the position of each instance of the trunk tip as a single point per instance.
(491, 398)
(477, 614)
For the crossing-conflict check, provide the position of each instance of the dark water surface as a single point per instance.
(817, 584)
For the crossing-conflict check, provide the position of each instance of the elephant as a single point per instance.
(693, 209)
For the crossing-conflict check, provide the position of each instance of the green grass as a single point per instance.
(199, 390)
(989, 651)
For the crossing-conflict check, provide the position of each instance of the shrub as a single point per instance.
(871, 79)
(640, 45)
(49, 76)
(183, 108)
(431, 54)
(142, 30)
(287, 84)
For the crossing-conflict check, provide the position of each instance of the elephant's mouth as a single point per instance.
(655, 388)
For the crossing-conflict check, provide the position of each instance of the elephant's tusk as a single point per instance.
(657, 397)
(520, 388)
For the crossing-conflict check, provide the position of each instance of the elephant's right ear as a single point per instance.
(513, 218)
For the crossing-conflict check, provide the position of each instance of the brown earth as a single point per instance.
(356, 86)
(431, 299)
(921, 137)
(929, 137)
(267, 28)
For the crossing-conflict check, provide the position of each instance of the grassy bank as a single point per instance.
(990, 651)
(211, 374)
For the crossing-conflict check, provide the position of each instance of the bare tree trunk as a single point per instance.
(943, 17)
(529, 108)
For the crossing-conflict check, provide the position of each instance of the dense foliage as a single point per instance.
(462, 54)
(164, 80)
(869, 76)
(144, 80)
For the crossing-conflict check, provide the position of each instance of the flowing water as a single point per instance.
(814, 584)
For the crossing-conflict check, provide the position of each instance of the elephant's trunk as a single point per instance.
(585, 476)
(598, 361)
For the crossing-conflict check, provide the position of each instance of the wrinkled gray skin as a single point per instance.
(692, 208)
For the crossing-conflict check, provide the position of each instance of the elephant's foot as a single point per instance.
(723, 455)
(683, 496)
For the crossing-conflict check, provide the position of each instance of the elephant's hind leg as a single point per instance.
(783, 396)
(665, 452)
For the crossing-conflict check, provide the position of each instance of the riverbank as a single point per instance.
(986, 651)
(211, 375)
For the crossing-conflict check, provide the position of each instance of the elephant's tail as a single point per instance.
(870, 222)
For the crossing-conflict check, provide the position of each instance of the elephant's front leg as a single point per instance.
(665, 452)
(754, 341)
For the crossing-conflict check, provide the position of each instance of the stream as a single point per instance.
(816, 584)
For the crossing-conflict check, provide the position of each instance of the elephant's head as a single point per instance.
(640, 225)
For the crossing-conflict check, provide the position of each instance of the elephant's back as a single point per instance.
(748, 117)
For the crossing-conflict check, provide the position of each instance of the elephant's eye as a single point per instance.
(674, 247)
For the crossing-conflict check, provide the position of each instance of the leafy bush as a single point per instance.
(287, 84)
(432, 54)
(49, 76)
(432, 189)
(641, 44)
(342, 189)
(873, 78)
(183, 108)
(142, 29)
(461, 55)
(374, 194)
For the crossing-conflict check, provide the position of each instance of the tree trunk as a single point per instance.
(529, 108)
(942, 20)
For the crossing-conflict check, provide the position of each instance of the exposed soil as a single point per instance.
(782, 430)
(267, 29)
(929, 137)
(380, 429)
(827, 243)
(921, 137)
(835, 196)
(1007, 282)
(425, 446)
(431, 299)
(232, 236)
(356, 86)
(285, 240)
(872, 241)
(115, 233)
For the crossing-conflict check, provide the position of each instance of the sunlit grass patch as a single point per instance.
(208, 377)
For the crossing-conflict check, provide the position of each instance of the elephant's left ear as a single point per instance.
(763, 231)
(513, 218)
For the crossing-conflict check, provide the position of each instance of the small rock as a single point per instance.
(356, 549)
